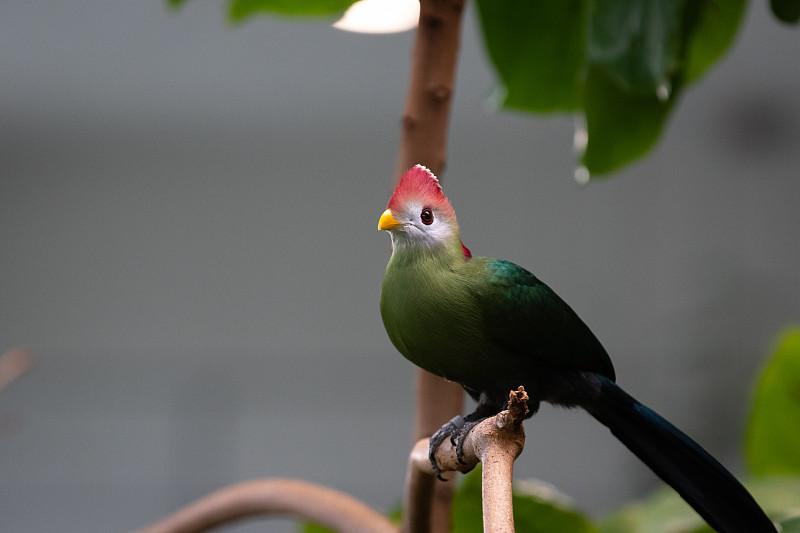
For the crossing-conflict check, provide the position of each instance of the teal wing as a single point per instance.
(522, 315)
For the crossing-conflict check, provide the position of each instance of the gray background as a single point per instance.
(188, 240)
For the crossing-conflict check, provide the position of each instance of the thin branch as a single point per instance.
(437, 401)
(426, 118)
(14, 363)
(275, 497)
(496, 442)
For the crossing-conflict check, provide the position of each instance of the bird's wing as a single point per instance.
(524, 316)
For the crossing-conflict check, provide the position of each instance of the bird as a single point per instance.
(492, 326)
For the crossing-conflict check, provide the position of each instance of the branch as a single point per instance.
(14, 363)
(496, 442)
(430, 90)
(299, 499)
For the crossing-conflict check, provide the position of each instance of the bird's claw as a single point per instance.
(451, 430)
(456, 430)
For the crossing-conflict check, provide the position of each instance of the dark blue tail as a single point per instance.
(699, 478)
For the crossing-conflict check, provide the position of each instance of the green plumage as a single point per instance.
(482, 321)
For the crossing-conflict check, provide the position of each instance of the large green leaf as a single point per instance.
(537, 48)
(619, 63)
(714, 25)
(773, 433)
(663, 512)
(538, 508)
(791, 525)
(786, 10)
(638, 42)
(621, 126)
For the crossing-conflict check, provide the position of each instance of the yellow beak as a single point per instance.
(388, 221)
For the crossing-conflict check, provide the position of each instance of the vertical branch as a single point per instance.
(437, 402)
(424, 140)
(498, 453)
(430, 91)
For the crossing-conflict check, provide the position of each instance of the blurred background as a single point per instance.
(188, 243)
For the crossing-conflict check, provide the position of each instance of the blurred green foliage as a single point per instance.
(665, 511)
(786, 10)
(538, 508)
(773, 432)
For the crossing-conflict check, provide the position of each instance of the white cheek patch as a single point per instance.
(438, 232)
(417, 234)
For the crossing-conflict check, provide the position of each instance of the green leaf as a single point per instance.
(621, 126)
(467, 507)
(791, 525)
(786, 10)
(242, 9)
(662, 512)
(779, 496)
(773, 432)
(638, 42)
(619, 63)
(666, 512)
(714, 25)
(538, 51)
(314, 528)
(538, 508)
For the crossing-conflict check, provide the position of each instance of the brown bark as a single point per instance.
(437, 402)
(14, 363)
(430, 91)
(299, 499)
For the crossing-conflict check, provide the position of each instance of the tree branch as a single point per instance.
(496, 442)
(299, 499)
(430, 91)
(13, 363)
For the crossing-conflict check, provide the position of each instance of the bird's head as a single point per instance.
(419, 215)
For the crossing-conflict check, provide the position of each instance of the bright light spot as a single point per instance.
(582, 175)
(494, 100)
(544, 491)
(580, 138)
(380, 16)
(662, 92)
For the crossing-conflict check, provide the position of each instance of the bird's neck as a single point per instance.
(404, 255)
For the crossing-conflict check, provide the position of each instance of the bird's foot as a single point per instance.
(456, 430)
(461, 436)
(448, 430)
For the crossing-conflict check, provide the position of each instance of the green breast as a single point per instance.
(483, 321)
(432, 316)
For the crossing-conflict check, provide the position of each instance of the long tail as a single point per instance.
(699, 478)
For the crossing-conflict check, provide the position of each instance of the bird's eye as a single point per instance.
(426, 216)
